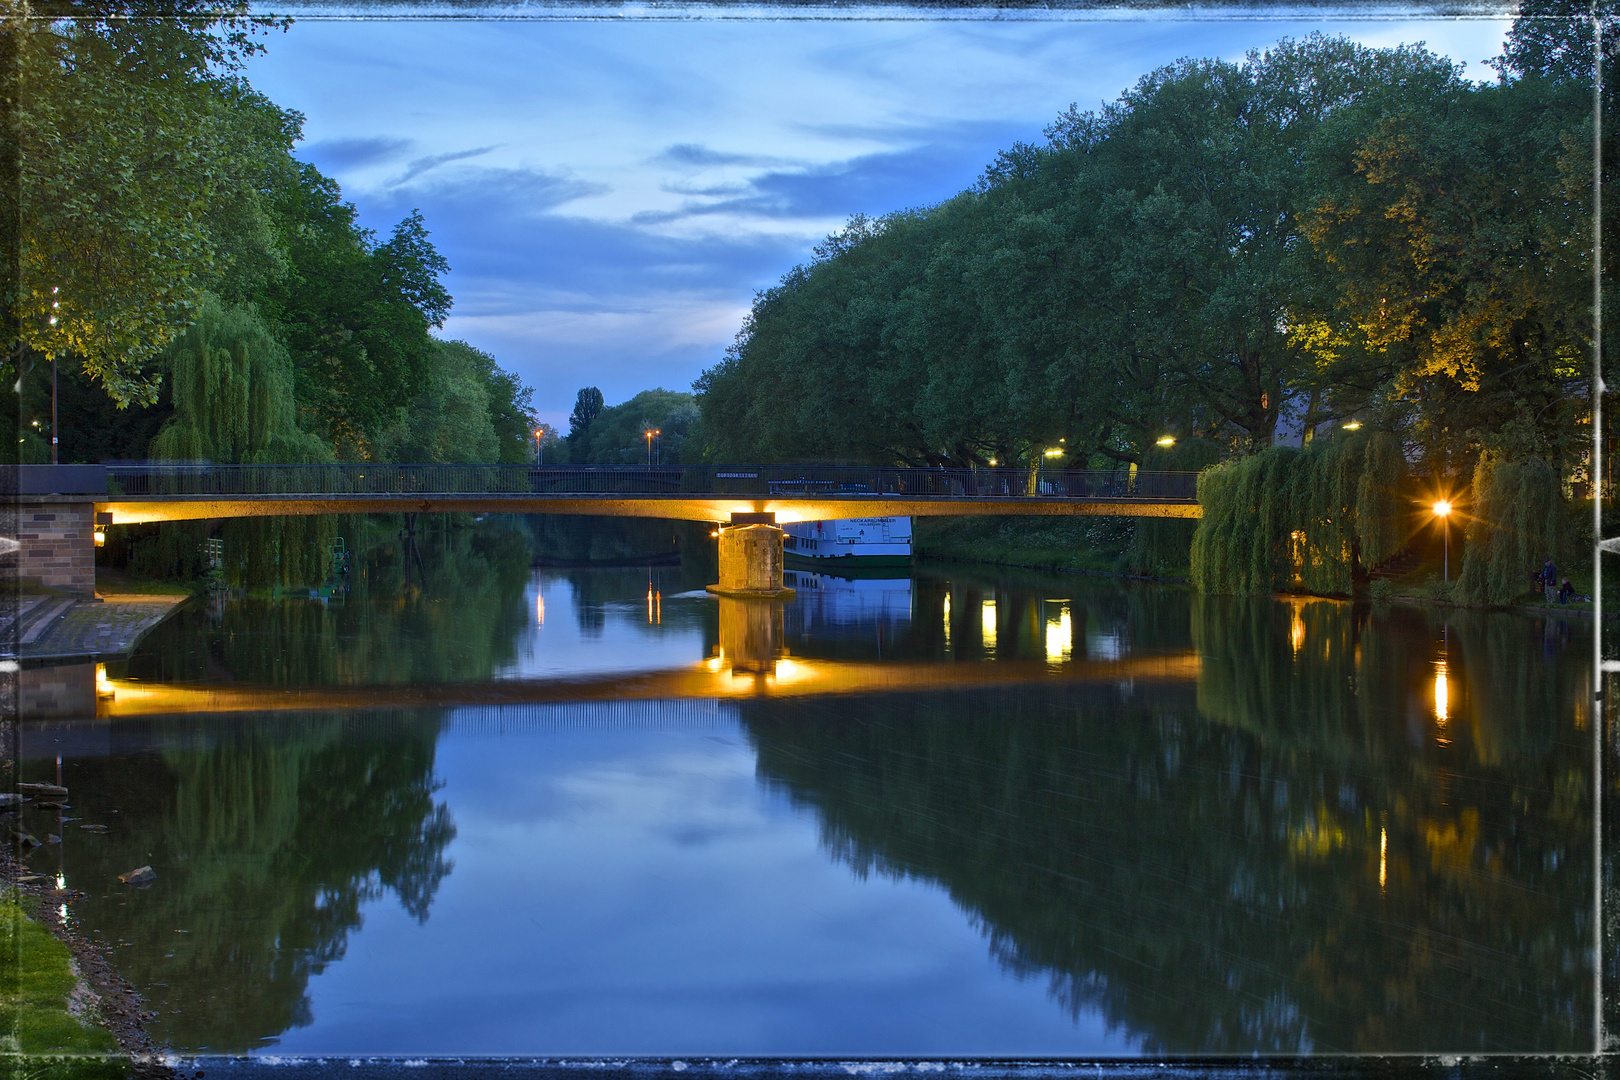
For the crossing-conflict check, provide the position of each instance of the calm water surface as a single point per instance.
(478, 808)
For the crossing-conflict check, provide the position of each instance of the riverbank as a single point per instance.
(1020, 544)
(71, 1014)
(53, 628)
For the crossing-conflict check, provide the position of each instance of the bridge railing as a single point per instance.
(158, 480)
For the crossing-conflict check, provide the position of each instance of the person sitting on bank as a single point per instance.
(1566, 593)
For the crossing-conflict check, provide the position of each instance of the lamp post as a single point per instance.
(1442, 510)
(539, 456)
(55, 305)
(650, 434)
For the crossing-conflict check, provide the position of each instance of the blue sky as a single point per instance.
(611, 192)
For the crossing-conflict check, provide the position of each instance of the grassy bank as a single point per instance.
(53, 1020)
(111, 581)
(1427, 583)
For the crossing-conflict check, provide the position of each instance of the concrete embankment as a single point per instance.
(45, 627)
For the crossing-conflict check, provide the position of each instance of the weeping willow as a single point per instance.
(1159, 546)
(233, 404)
(1516, 519)
(1315, 519)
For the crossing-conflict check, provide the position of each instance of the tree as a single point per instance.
(618, 435)
(136, 132)
(233, 394)
(587, 405)
(356, 314)
(1454, 226)
(471, 410)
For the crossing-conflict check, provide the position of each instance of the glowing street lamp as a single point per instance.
(1442, 510)
(651, 434)
(539, 456)
(1166, 440)
(1352, 425)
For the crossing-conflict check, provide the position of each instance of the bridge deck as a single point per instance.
(162, 492)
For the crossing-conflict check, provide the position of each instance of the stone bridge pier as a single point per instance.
(751, 558)
(52, 527)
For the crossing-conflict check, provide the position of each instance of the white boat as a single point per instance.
(848, 542)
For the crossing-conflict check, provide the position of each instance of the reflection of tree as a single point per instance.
(580, 538)
(267, 842)
(1204, 867)
(457, 613)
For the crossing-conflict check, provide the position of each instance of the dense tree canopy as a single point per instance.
(192, 291)
(137, 133)
(654, 422)
(142, 134)
(1322, 232)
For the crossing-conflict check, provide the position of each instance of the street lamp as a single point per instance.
(539, 457)
(650, 435)
(55, 306)
(1442, 510)
(1166, 440)
(1352, 425)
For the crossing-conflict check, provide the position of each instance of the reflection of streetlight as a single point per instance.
(1442, 510)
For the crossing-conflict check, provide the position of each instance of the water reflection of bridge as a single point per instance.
(713, 680)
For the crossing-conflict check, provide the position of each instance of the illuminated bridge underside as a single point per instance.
(672, 507)
(791, 677)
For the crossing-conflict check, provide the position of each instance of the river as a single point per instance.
(475, 807)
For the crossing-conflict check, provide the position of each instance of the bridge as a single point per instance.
(59, 506)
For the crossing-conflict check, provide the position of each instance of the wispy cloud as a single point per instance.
(702, 156)
(349, 153)
(940, 162)
(423, 164)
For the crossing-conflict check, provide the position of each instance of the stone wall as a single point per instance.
(58, 549)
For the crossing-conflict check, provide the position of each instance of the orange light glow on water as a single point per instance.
(987, 620)
(1296, 632)
(539, 609)
(710, 678)
(1059, 637)
(1383, 857)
